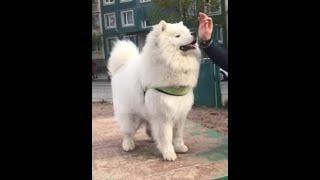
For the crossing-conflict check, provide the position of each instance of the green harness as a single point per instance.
(174, 91)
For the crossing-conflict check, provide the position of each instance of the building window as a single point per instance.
(110, 42)
(127, 18)
(145, 24)
(110, 20)
(121, 1)
(132, 38)
(143, 1)
(108, 2)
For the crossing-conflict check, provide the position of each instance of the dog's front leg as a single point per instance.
(162, 133)
(178, 143)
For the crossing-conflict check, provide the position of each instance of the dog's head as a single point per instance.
(175, 37)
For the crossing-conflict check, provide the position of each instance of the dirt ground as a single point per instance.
(211, 118)
(205, 135)
(101, 110)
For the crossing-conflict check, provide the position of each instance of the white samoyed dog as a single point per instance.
(155, 87)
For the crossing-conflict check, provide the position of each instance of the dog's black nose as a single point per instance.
(193, 34)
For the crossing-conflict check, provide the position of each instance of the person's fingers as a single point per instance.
(202, 16)
(206, 20)
(203, 24)
(209, 22)
(210, 26)
(207, 25)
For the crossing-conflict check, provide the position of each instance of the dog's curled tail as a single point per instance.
(122, 51)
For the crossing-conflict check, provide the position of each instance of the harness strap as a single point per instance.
(174, 91)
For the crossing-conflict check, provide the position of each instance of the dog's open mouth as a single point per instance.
(187, 47)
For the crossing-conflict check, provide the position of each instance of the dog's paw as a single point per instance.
(169, 155)
(181, 148)
(128, 145)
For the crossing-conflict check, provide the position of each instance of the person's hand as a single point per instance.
(205, 27)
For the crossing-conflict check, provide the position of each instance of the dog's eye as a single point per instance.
(177, 36)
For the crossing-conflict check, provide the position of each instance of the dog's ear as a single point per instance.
(181, 22)
(159, 28)
(162, 25)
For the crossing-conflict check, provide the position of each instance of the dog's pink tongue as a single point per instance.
(193, 45)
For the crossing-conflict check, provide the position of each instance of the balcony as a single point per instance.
(95, 7)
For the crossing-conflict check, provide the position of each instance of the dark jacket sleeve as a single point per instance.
(218, 55)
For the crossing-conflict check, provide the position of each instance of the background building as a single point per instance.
(97, 37)
(124, 19)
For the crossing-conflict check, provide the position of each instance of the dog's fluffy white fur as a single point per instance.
(160, 64)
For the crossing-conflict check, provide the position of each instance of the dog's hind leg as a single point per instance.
(148, 130)
(128, 127)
